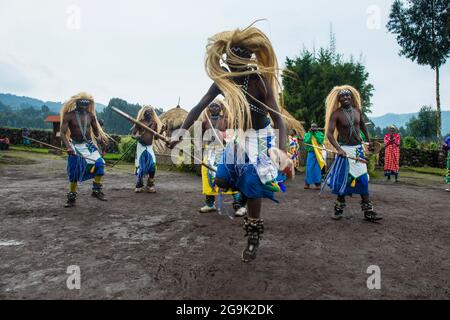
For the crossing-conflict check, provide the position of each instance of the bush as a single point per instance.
(186, 167)
(372, 161)
(124, 145)
(433, 146)
(411, 143)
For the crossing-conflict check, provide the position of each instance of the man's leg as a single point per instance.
(396, 176)
(151, 181)
(367, 208)
(339, 206)
(239, 203)
(139, 184)
(71, 195)
(209, 204)
(97, 188)
(388, 174)
(254, 227)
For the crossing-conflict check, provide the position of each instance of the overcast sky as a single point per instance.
(152, 52)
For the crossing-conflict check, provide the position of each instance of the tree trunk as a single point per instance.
(438, 106)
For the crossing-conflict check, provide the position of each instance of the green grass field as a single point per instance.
(20, 155)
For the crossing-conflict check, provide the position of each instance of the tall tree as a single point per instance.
(115, 123)
(423, 128)
(423, 29)
(310, 77)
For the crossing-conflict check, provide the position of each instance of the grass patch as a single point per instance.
(111, 157)
(426, 170)
(28, 149)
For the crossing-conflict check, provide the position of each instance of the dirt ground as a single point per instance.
(158, 246)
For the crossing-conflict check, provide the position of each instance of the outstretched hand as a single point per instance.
(283, 161)
(173, 142)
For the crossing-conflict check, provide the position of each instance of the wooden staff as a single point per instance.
(139, 123)
(57, 148)
(133, 145)
(335, 152)
(164, 138)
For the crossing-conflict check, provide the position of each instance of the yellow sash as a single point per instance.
(318, 152)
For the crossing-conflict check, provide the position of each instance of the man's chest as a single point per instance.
(348, 119)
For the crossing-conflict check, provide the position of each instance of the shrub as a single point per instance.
(411, 143)
(125, 144)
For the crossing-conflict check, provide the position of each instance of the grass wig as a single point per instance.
(332, 103)
(71, 105)
(263, 62)
(155, 118)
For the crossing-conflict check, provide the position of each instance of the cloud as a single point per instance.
(153, 51)
(13, 79)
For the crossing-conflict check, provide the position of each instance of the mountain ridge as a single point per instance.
(400, 120)
(17, 102)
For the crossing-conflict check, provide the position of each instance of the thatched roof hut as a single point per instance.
(174, 116)
(171, 119)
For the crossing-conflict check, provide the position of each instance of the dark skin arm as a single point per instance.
(95, 130)
(274, 112)
(64, 128)
(145, 135)
(193, 115)
(364, 130)
(330, 136)
(94, 124)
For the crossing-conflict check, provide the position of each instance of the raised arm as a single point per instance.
(193, 115)
(154, 127)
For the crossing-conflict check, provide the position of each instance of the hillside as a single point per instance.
(16, 102)
(400, 120)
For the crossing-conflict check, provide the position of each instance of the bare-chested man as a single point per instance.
(81, 134)
(344, 124)
(215, 125)
(145, 161)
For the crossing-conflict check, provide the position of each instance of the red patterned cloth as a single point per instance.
(392, 152)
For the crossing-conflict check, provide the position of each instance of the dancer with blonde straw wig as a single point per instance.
(344, 122)
(82, 134)
(145, 160)
(250, 87)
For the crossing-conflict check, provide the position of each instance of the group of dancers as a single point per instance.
(243, 68)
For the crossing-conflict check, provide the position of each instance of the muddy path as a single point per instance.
(158, 246)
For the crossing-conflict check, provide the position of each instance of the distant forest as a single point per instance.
(31, 116)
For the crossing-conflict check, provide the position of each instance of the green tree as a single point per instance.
(403, 132)
(114, 123)
(45, 109)
(378, 132)
(423, 128)
(309, 78)
(423, 29)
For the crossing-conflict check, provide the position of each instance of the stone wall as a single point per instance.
(15, 135)
(46, 136)
(419, 158)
